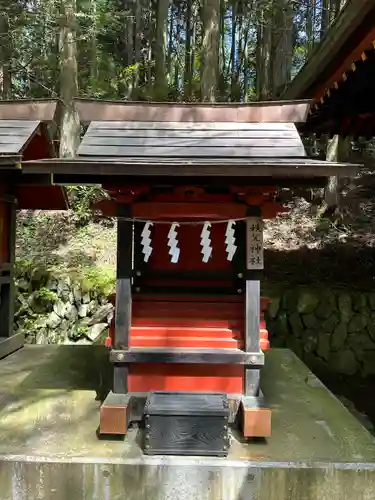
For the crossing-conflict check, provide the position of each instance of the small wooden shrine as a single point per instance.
(24, 135)
(190, 186)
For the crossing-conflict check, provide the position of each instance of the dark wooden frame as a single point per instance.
(123, 294)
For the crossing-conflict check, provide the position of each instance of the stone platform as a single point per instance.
(49, 415)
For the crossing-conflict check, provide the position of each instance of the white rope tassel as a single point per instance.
(230, 240)
(206, 242)
(174, 251)
(146, 241)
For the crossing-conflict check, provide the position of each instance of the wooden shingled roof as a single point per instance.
(180, 140)
(16, 134)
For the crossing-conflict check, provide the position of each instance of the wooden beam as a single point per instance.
(259, 112)
(181, 169)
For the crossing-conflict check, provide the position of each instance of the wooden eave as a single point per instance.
(94, 169)
(348, 107)
(43, 110)
(347, 38)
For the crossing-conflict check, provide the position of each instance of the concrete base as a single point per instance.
(49, 414)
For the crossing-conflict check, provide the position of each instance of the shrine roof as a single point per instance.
(199, 139)
(15, 136)
(24, 136)
(179, 140)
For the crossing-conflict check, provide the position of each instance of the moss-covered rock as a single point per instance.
(296, 324)
(368, 363)
(309, 340)
(345, 318)
(371, 329)
(324, 346)
(327, 305)
(357, 323)
(310, 320)
(366, 311)
(344, 303)
(307, 302)
(281, 325)
(356, 344)
(289, 300)
(39, 277)
(339, 336)
(359, 301)
(330, 324)
(295, 345)
(273, 307)
(371, 301)
(344, 362)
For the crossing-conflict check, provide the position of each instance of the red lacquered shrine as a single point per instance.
(24, 135)
(190, 186)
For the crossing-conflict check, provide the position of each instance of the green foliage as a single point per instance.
(23, 268)
(78, 332)
(81, 199)
(116, 46)
(99, 281)
(46, 295)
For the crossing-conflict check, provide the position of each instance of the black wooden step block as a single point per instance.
(186, 423)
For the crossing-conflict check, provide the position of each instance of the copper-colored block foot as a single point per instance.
(114, 414)
(256, 418)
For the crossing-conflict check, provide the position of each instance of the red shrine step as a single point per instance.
(217, 338)
(194, 336)
(179, 323)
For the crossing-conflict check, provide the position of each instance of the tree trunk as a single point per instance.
(129, 35)
(233, 64)
(161, 84)
(309, 26)
(264, 46)
(70, 124)
(188, 71)
(325, 18)
(5, 56)
(282, 46)
(210, 50)
(337, 151)
(94, 48)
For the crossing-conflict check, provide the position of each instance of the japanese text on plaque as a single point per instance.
(254, 226)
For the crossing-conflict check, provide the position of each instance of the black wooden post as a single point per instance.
(123, 311)
(9, 342)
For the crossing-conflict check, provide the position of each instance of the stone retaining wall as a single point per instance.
(335, 328)
(50, 310)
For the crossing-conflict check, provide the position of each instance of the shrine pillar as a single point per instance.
(115, 411)
(9, 341)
